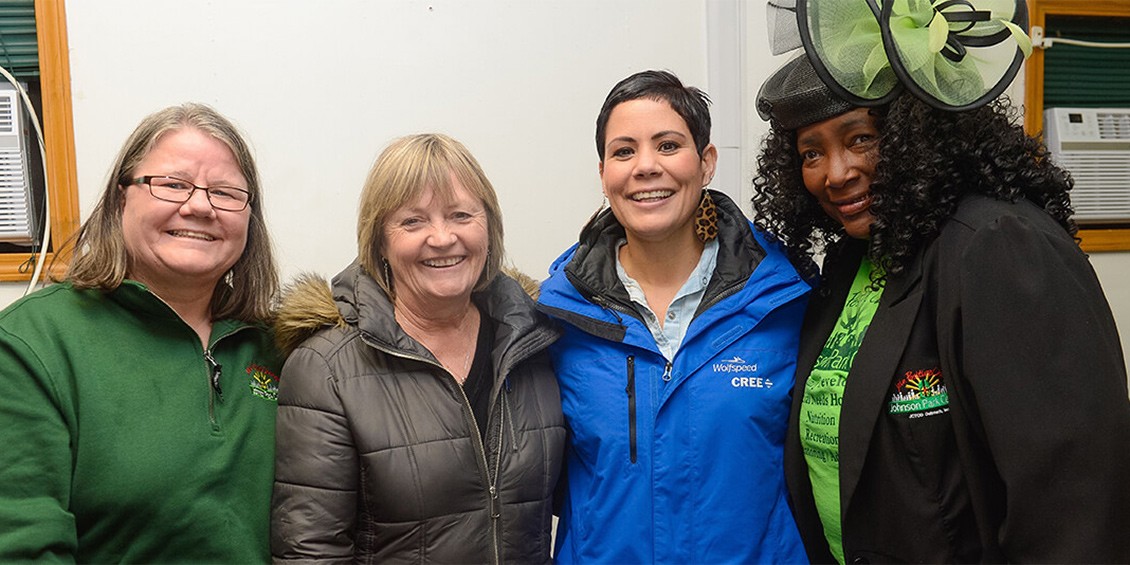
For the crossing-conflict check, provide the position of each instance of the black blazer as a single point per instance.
(1031, 460)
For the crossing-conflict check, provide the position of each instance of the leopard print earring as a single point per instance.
(706, 219)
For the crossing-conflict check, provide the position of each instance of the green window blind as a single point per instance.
(1088, 77)
(19, 49)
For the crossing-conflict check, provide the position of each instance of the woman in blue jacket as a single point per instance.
(680, 336)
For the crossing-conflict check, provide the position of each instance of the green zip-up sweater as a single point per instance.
(115, 445)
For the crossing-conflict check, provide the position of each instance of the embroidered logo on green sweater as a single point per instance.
(263, 382)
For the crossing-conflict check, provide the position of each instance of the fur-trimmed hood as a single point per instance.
(308, 304)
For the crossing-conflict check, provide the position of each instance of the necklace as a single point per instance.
(446, 343)
(466, 367)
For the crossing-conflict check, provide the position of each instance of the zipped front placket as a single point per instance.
(495, 503)
(213, 369)
(492, 490)
(492, 482)
(214, 374)
(214, 390)
(631, 390)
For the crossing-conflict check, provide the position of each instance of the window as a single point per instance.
(1062, 76)
(54, 86)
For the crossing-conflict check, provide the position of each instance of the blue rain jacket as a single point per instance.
(677, 462)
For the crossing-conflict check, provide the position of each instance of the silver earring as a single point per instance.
(229, 278)
(388, 272)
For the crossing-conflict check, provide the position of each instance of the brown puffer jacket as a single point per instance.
(379, 458)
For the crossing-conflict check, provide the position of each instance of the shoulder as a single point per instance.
(60, 295)
(977, 212)
(314, 367)
(989, 242)
(769, 243)
(31, 328)
(516, 286)
(330, 344)
(57, 309)
(984, 228)
(510, 300)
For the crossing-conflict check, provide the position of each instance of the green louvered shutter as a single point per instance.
(1087, 76)
(19, 49)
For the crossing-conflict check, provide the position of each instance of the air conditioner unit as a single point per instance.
(1094, 145)
(17, 216)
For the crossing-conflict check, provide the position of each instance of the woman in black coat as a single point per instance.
(961, 391)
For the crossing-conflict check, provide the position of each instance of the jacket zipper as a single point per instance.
(721, 295)
(510, 411)
(492, 483)
(495, 506)
(631, 390)
(495, 503)
(600, 300)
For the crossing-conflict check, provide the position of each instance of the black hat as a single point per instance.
(795, 97)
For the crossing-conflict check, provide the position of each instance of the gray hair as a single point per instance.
(100, 257)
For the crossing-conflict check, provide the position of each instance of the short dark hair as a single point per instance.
(692, 104)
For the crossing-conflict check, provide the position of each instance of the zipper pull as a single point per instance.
(631, 388)
(214, 369)
(495, 512)
(667, 373)
(605, 304)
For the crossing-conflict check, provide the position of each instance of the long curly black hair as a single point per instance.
(928, 159)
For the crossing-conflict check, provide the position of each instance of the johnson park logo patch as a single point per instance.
(920, 393)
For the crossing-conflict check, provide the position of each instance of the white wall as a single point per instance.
(320, 87)
(1113, 269)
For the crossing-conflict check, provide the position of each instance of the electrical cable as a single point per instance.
(1042, 41)
(46, 193)
(1049, 41)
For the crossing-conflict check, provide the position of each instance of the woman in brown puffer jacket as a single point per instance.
(419, 419)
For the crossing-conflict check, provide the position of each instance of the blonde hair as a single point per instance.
(100, 257)
(400, 175)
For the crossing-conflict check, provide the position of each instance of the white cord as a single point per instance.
(46, 193)
(1043, 42)
(1049, 41)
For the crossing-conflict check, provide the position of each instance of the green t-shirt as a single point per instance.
(823, 396)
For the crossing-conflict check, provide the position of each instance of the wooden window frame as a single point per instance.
(58, 137)
(1092, 239)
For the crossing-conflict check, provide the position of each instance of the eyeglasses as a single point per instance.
(172, 189)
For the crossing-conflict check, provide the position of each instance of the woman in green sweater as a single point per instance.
(138, 405)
